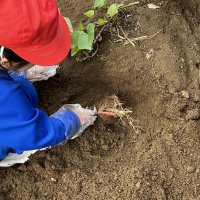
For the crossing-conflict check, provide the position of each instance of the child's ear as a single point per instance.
(5, 63)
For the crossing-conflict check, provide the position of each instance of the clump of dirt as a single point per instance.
(159, 81)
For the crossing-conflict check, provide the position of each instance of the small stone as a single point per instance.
(138, 185)
(147, 183)
(182, 59)
(190, 169)
(185, 94)
(193, 114)
(53, 180)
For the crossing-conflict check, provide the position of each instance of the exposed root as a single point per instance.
(88, 55)
(145, 37)
(112, 110)
(99, 34)
(126, 37)
(126, 40)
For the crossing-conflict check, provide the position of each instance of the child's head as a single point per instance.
(34, 30)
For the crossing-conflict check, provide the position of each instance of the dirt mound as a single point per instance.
(159, 80)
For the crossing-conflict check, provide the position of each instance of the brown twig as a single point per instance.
(126, 36)
(99, 33)
(144, 37)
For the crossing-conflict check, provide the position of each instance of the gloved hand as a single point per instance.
(39, 73)
(85, 115)
(36, 73)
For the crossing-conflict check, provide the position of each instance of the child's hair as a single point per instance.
(13, 58)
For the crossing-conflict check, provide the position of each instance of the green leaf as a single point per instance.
(89, 13)
(113, 10)
(68, 21)
(101, 22)
(80, 27)
(90, 31)
(99, 3)
(90, 28)
(74, 38)
(83, 42)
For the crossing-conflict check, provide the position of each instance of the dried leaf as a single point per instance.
(152, 6)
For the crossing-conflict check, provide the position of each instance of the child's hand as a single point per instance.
(35, 73)
(39, 73)
(86, 116)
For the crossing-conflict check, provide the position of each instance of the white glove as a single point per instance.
(39, 73)
(35, 73)
(86, 116)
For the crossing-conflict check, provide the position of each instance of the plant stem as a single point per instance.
(130, 4)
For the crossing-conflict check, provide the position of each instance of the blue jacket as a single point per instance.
(22, 125)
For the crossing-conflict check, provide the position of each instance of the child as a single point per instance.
(34, 32)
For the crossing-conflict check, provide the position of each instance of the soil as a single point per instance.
(161, 161)
(192, 5)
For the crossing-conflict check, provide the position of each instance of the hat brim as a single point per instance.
(53, 53)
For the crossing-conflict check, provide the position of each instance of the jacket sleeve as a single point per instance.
(24, 127)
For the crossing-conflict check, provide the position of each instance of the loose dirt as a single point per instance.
(109, 161)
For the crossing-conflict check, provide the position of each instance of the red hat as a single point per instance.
(34, 30)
